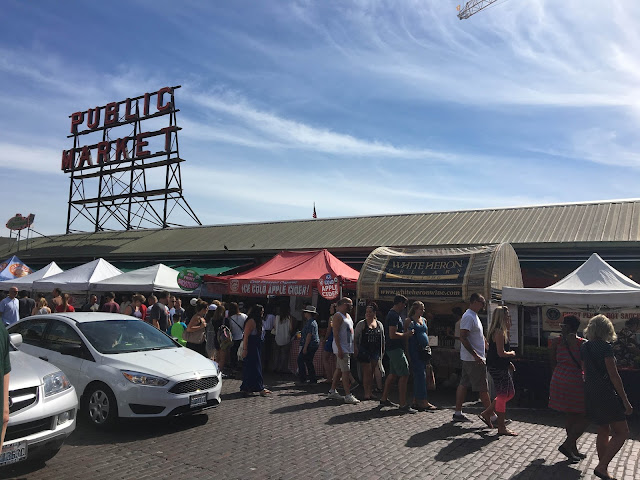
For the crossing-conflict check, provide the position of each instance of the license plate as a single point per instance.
(13, 453)
(198, 400)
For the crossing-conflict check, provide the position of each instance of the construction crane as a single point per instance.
(472, 7)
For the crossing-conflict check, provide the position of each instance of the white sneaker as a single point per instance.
(459, 417)
(334, 395)
(350, 399)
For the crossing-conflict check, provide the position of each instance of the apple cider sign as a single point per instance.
(136, 145)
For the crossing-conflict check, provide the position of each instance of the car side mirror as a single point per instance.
(16, 339)
(73, 350)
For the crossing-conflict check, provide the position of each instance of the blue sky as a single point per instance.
(363, 107)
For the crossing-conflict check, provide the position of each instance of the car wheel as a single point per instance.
(99, 406)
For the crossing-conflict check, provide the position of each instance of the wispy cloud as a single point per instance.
(365, 107)
(32, 158)
(295, 134)
(523, 53)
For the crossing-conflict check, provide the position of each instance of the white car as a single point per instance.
(122, 366)
(42, 409)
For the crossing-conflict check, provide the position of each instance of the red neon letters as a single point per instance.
(109, 116)
(112, 110)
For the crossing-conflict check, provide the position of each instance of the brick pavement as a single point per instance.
(299, 433)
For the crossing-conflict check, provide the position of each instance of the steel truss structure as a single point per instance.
(133, 192)
(474, 6)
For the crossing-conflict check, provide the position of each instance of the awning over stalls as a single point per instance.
(154, 278)
(26, 281)
(288, 273)
(13, 268)
(78, 279)
(594, 284)
(203, 267)
(439, 274)
(213, 267)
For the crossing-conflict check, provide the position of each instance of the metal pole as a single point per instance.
(133, 164)
(539, 324)
(73, 164)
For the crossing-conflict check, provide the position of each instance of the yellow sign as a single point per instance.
(552, 317)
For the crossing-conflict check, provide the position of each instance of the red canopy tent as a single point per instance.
(288, 273)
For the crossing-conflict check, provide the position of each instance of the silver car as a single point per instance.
(122, 367)
(42, 408)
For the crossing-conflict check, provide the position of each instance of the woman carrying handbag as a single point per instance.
(420, 356)
(566, 391)
(195, 332)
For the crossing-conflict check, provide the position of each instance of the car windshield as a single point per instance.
(125, 336)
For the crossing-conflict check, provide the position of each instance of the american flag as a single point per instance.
(314, 210)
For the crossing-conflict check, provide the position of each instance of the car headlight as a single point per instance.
(144, 379)
(55, 383)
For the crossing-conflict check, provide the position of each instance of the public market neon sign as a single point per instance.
(115, 114)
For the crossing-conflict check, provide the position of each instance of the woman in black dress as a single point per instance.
(252, 365)
(500, 368)
(606, 401)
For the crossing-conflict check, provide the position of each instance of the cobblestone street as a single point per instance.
(299, 433)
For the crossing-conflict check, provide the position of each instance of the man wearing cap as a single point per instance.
(309, 342)
(10, 307)
(190, 309)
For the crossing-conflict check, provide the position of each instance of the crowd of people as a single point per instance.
(585, 384)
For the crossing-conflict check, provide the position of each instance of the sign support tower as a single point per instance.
(128, 186)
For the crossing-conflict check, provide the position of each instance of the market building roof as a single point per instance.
(588, 224)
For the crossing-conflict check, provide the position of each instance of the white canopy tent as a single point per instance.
(78, 279)
(594, 284)
(25, 283)
(154, 278)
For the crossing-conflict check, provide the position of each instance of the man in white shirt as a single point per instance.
(235, 322)
(343, 348)
(473, 356)
(10, 307)
(267, 347)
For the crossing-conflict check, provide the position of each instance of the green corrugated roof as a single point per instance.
(583, 224)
